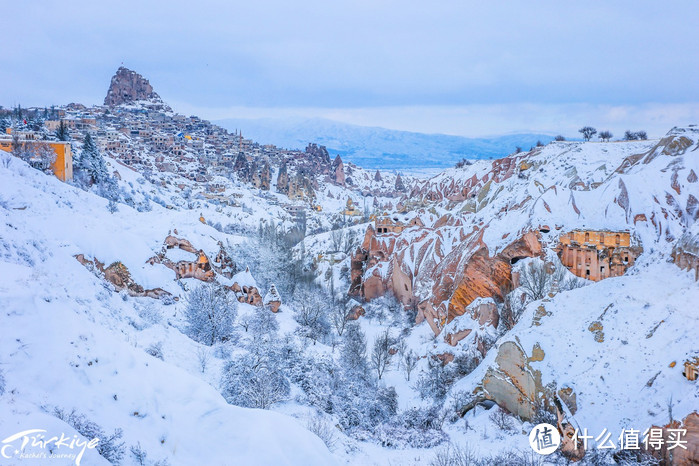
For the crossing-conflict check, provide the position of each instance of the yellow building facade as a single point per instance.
(62, 167)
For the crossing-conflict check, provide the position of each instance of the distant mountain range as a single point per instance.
(373, 147)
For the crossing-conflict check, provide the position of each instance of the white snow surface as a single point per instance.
(69, 342)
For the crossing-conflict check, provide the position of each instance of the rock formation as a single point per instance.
(128, 87)
(596, 255)
(400, 186)
(685, 254)
(283, 179)
(200, 268)
(265, 176)
(272, 299)
(339, 171)
(118, 275)
(688, 456)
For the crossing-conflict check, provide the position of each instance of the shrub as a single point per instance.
(156, 350)
(254, 382)
(108, 447)
(323, 429)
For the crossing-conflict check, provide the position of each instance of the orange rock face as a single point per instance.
(396, 264)
(680, 456)
(248, 295)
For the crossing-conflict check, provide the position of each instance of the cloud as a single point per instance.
(357, 54)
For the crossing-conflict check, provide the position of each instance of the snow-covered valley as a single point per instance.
(341, 315)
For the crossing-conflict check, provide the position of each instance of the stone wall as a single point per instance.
(596, 255)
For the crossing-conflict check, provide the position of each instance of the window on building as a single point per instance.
(587, 237)
(618, 240)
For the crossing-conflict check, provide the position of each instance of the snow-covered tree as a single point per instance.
(210, 313)
(606, 135)
(409, 363)
(380, 356)
(587, 132)
(353, 351)
(254, 381)
(339, 317)
(62, 131)
(257, 378)
(91, 162)
(310, 308)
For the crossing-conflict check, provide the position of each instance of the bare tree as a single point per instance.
(203, 358)
(337, 237)
(635, 136)
(560, 138)
(380, 356)
(502, 419)
(606, 135)
(245, 321)
(535, 280)
(512, 310)
(409, 363)
(587, 132)
(339, 317)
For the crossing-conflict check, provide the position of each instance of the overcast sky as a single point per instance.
(456, 67)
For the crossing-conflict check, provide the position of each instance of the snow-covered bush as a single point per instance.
(2, 383)
(502, 419)
(254, 381)
(324, 430)
(109, 447)
(140, 457)
(434, 383)
(456, 455)
(156, 350)
(149, 313)
(310, 312)
(210, 313)
(393, 435)
(314, 375)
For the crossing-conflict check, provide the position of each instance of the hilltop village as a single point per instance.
(138, 130)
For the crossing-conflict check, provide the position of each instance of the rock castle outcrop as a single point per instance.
(128, 87)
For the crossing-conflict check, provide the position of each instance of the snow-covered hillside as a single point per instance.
(71, 343)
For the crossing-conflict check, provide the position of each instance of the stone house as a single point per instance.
(596, 255)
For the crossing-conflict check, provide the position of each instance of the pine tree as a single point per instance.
(62, 132)
(92, 162)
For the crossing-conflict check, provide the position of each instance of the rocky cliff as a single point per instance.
(128, 87)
